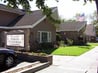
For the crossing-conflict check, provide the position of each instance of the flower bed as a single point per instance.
(26, 56)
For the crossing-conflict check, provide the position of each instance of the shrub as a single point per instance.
(56, 44)
(69, 42)
(46, 45)
(62, 44)
(39, 54)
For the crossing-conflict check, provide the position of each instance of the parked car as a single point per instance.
(7, 57)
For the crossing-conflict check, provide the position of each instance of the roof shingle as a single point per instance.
(32, 18)
(90, 30)
(71, 26)
(12, 10)
(29, 19)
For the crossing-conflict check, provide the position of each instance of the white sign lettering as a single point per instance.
(15, 40)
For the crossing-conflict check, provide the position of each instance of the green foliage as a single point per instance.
(70, 50)
(84, 0)
(74, 50)
(15, 3)
(62, 44)
(39, 3)
(93, 17)
(47, 11)
(97, 30)
(26, 5)
(39, 54)
(45, 45)
(69, 42)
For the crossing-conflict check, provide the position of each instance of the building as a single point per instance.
(23, 31)
(73, 30)
(90, 33)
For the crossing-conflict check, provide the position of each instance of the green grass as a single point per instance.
(71, 50)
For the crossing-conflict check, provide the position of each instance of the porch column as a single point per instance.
(26, 39)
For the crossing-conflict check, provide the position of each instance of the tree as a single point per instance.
(96, 2)
(15, 3)
(93, 18)
(97, 7)
(40, 4)
(26, 6)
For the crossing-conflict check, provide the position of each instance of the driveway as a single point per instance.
(86, 63)
(61, 60)
(58, 61)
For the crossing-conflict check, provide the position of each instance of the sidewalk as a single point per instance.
(86, 63)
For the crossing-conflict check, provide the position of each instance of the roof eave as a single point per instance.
(44, 17)
(82, 27)
(27, 26)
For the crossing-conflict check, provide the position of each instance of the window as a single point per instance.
(44, 36)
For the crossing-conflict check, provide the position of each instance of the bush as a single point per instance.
(39, 54)
(46, 45)
(56, 44)
(69, 42)
(62, 44)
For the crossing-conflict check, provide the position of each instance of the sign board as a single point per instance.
(15, 40)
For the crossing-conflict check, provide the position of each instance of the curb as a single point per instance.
(37, 68)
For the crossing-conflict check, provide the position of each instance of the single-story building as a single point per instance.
(73, 30)
(7, 16)
(24, 31)
(90, 33)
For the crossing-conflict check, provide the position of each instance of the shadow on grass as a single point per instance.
(86, 46)
(48, 50)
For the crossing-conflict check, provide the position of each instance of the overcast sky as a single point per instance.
(68, 8)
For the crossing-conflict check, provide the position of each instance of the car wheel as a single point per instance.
(9, 61)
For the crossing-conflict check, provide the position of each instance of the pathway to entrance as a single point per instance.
(86, 63)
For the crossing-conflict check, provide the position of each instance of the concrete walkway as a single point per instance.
(86, 63)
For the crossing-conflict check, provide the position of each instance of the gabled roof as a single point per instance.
(30, 20)
(11, 10)
(71, 26)
(90, 30)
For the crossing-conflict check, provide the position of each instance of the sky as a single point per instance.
(67, 9)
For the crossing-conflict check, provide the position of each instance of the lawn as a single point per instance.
(71, 50)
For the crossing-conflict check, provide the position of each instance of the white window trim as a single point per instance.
(49, 36)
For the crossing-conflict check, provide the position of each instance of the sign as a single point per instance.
(15, 40)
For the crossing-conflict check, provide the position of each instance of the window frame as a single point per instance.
(40, 36)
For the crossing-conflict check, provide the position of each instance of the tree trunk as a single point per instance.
(96, 1)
